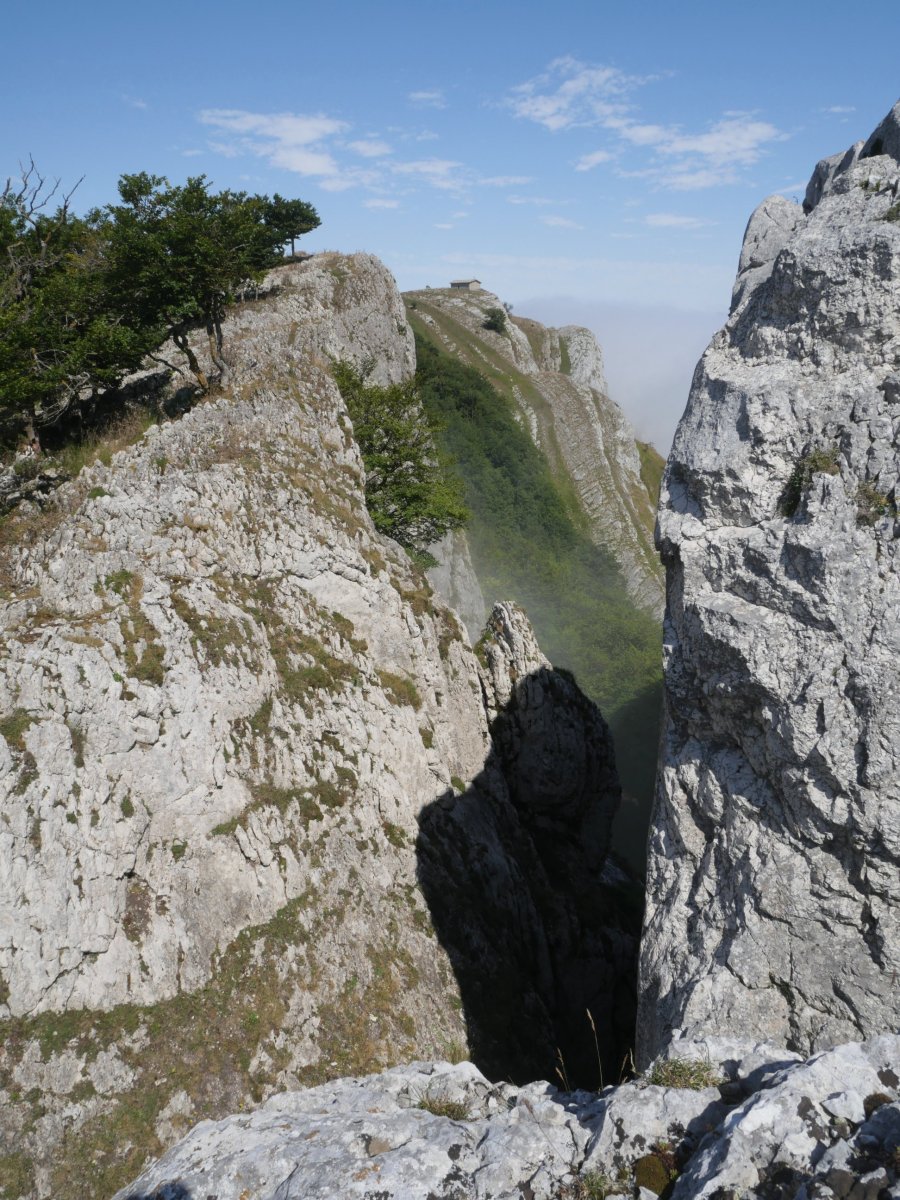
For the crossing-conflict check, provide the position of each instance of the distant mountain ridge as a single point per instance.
(556, 380)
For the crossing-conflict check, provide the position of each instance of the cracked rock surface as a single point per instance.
(226, 704)
(773, 1127)
(775, 842)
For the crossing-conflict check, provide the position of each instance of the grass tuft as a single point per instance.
(691, 1073)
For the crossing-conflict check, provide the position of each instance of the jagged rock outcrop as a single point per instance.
(829, 1127)
(773, 861)
(555, 377)
(226, 704)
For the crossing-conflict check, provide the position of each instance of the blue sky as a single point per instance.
(589, 162)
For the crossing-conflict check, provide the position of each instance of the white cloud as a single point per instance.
(378, 202)
(792, 189)
(561, 223)
(839, 109)
(370, 147)
(736, 140)
(439, 172)
(588, 161)
(504, 180)
(433, 98)
(191, 153)
(673, 221)
(571, 92)
(692, 179)
(539, 201)
(291, 141)
(458, 216)
(443, 225)
(135, 101)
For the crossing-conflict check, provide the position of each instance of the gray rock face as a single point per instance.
(773, 856)
(227, 706)
(829, 1127)
(455, 581)
(768, 232)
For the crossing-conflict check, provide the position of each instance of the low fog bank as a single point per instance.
(649, 355)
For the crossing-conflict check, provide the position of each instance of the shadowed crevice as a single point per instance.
(540, 924)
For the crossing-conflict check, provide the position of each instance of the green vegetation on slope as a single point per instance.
(652, 466)
(411, 492)
(529, 544)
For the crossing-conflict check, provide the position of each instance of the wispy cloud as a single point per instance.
(380, 202)
(673, 221)
(439, 172)
(561, 222)
(430, 98)
(370, 148)
(588, 161)
(538, 201)
(572, 94)
(839, 109)
(292, 141)
(443, 225)
(135, 101)
(504, 180)
(193, 153)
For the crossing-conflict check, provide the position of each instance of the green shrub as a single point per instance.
(495, 319)
(823, 460)
(872, 505)
(14, 727)
(411, 492)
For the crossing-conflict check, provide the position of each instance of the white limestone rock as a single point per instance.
(228, 708)
(823, 1128)
(772, 885)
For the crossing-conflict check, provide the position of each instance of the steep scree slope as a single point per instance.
(774, 853)
(225, 705)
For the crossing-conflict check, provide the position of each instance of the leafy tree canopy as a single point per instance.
(411, 491)
(179, 254)
(288, 219)
(84, 299)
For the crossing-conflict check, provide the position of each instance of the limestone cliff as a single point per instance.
(227, 705)
(555, 378)
(772, 887)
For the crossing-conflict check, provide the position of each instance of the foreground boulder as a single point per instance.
(773, 902)
(772, 1127)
